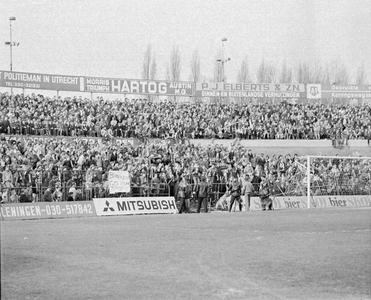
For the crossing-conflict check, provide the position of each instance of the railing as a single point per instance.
(80, 193)
(83, 193)
(216, 190)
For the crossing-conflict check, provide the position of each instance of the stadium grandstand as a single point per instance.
(58, 149)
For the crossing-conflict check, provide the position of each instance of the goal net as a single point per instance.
(337, 176)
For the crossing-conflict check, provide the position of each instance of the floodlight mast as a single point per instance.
(223, 40)
(11, 43)
(223, 60)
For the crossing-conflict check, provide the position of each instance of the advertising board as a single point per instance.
(46, 210)
(90, 139)
(138, 86)
(345, 91)
(314, 91)
(134, 206)
(38, 81)
(249, 90)
(255, 203)
(341, 201)
(301, 202)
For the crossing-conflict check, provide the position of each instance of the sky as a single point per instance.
(108, 38)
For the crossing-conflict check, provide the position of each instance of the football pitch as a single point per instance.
(287, 254)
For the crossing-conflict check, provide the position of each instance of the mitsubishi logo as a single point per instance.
(314, 90)
(108, 207)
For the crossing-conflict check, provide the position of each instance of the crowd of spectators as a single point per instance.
(77, 169)
(39, 115)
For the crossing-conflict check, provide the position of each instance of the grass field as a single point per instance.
(301, 254)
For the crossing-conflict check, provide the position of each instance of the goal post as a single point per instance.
(337, 176)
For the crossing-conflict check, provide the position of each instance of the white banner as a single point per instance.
(300, 202)
(255, 203)
(341, 201)
(119, 182)
(134, 206)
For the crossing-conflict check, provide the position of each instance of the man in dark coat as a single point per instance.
(202, 194)
(181, 195)
(235, 190)
(266, 201)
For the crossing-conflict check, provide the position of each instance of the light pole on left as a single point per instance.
(11, 43)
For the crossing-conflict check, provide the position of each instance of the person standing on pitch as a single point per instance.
(264, 193)
(247, 190)
(235, 190)
(182, 189)
(202, 194)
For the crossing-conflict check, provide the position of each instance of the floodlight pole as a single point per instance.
(11, 44)
(223, 61)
